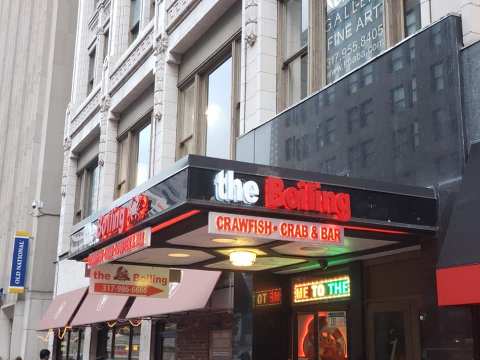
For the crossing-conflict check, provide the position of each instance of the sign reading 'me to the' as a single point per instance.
(334, 288)
(19, 263)
(130, 280)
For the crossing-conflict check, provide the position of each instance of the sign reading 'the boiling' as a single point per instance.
(276, 229)
(130, 280)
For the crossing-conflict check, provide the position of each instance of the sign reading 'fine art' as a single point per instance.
(355, 34)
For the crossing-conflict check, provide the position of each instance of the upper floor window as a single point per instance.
(134, 155)
(152, 9)
(106, 43)
(296, 49)
(208, 107)
(86, 197)
(412, 21)
(320, 41)
(91, 70)
(135, 6)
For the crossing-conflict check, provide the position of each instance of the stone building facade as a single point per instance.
(36, 59)
(138, 65)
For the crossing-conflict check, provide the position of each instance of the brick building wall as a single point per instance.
(193, 334)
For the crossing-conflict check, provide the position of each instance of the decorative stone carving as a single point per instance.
(101, 162)
(251, 14)
(86, 111)
(138, 54)
(67, 143)
(161, 44)
(106, 62)
(105, 103)
(176, 9)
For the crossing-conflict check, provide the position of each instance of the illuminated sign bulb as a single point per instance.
(242, 258)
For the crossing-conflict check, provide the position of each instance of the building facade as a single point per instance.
(37, 42)
(362, 89)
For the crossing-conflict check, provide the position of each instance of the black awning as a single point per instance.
(206, 209)
(459, 261)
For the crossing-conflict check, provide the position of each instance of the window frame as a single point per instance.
(316, 46)
(113, 331)
(199, 80)
(92, 63)
(130, 136)
(160, 334)
(67, 337)
(82, 190)
(134, 27)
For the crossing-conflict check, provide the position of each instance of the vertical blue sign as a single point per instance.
(19, 263)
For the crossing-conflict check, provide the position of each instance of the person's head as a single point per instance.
(44, 354)
(18, 358)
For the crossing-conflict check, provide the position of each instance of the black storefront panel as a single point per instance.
(397, 118)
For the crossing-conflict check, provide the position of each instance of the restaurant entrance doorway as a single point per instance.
(393, 331)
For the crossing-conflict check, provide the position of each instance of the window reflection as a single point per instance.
(397, 126)
(355, 34)
(297, 79)
(143, 159)
(219, 112)
(296, 25)
(438, 77)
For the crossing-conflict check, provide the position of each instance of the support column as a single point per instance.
(89, 343)
(259, 62)
(107, 157)
(5, 331)
(165, 106)
(80, 68)
(68, 190)
(470, 11)
(145, 340)
(120, 22)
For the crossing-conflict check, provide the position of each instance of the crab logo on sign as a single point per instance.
(123, 218)
(229, 189)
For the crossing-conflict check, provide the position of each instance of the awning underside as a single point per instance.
(188, 244)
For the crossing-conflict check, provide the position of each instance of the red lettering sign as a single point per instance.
(306, 196)
(268, 297)
(122, 219)
(126, 246)
(269, 228)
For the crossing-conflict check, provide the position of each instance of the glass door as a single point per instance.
(392, 332)
(321, 335)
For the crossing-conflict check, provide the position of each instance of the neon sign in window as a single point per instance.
(323, 289)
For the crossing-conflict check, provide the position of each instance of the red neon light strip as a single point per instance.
(376, 230)
(174, 220)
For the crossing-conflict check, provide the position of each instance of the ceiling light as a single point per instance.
(224, 241)
(242, 258)
(178, 255)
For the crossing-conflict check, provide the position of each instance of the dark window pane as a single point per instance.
(389, 333)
